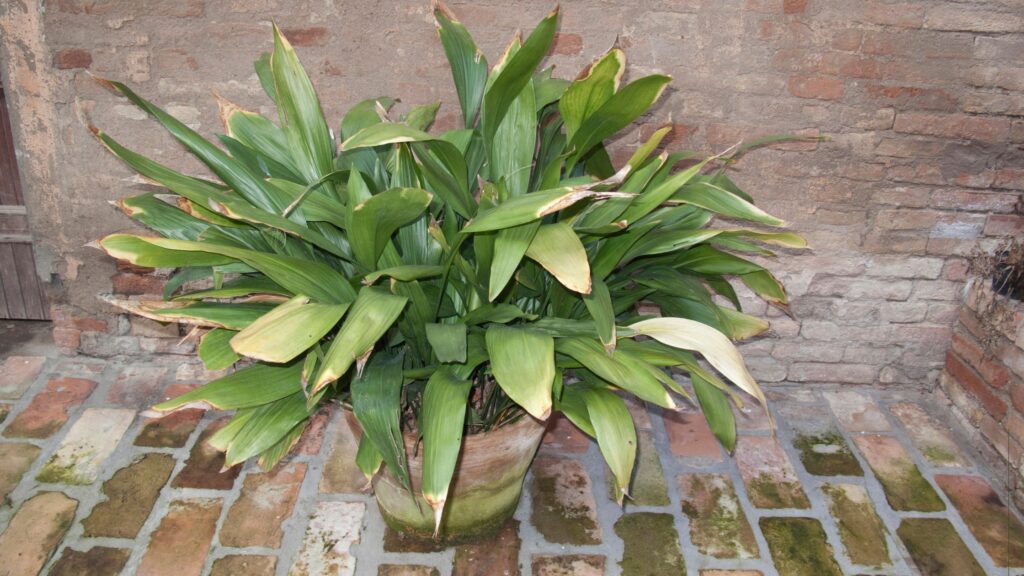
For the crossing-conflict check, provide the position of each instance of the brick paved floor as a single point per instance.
(856, 481)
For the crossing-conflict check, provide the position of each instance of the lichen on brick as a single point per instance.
(860, 528)
(827, 454)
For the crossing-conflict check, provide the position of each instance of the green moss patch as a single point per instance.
(906, 489)
(860, 528)
(827, 454)
(765, 491)
(558, 520)
(651, 545)
(936, 548)
(718, 526)
(799, 547)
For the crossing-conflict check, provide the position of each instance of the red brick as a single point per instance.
(563, 436)
(89, 324)
(72, 58)
(567, 44)
(496, 555)
(847, 40)
(137, 386)
(968, 349)
(266, 501)
(180, 544)
(974, 201)
(899, 15)
(816, 87)
(1004, 225)
(852, 66)
(130, 495)
(18, 373)
(912, 97)
(135, 284)
(1012, 178)
(1017, 394)
(35, 532)
(985, 129)
(204, 467)
(977, 387)
(49, 409)
(313, 437)
(67, 338)
(124, 266)
(312, 36)
(794, 6)
(689, 435)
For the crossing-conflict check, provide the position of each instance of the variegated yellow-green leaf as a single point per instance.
(288, 330)
(384, 133)
(594, 87)
(523, 363)
(530, 207)
(215, 349)
(251, 386)
(712, 344)
(442, 420)
(372, 313)
(558, 249)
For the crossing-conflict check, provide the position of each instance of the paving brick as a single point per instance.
(92, 438)
(650, 544)
(497, 555)
(930, 438)
(936, 549)
(174, 429)
(769, 476)
(266, 501)
(96, 561)
(313, 437)
(564, 510)
(180, 543)
(204, 467)
(17, 374)
(860, 528)
(718, 524)
(905, 487)
(340, 471)
(993, 525)
(648, 487)
(689, 434)
(15, 460)
(567, 565)
(752, 418)
(826, 453)
(326, 547)
(131, 493)
(35, 531)
(731, 573)
(407, 570)
(49, 409)
(395, 541)
(239, 564)
(857, 412)
(563, 436)
(137, 386)
(799, 547)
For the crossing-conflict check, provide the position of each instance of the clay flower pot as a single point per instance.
(484, 492)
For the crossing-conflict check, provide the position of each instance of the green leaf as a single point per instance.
(266, 427)
(364, 114)
(706, 260)
(442, 421)
(599, 304)
(717, 411)
(299, 109)
(162, 217)
(142, 252)
(516, 73)
(593, 88)
(288, 330)
(271, 456)
(619, 368)
(262, 136)
(448, 341)
(530, 207)
(618, 112)
(721, 201)
(468, 64)
(765, 285)
(500, 313)
(215, 349)
(233, 316)
(574, 406)
(384, 133)
(523, 363)
(377, 404)
(616, 435)
(368, 458)
(510, 245)
(514, 144)
(374, 220)
(405, 273)
(558, 249)
(244, 286)
(371, 315)
(251, 386)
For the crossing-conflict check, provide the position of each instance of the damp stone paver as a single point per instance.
(860, 528)
(92, 438)
(930, 439)
(936, 548)
(718, 524)
(17, 373)
(768, 474)
(826, 454)
(564, 510)
(993, 525)
(905, 487)
(799, 547)
(156, 500)
(648, 486)
(650, 544)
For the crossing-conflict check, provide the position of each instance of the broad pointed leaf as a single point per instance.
(377, 404)
(558, 249)
(288, 330)
(523, 363)
(442, 421)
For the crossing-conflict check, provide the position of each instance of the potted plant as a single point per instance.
(451, 290)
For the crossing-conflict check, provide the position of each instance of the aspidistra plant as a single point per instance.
(450, 283)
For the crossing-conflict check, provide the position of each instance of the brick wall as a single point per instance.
(921, 101)
(984, 376)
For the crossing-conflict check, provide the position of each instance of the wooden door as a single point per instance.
(21, 292)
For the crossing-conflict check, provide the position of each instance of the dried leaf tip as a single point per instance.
(440, 8)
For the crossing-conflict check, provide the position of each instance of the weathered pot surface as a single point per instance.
(484, 492)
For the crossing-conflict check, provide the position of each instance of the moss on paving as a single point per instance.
(906, 489)
(799, 547)
(66, 473)
(940, 456)
(651, 545)
(725, 531)
(860, 528)
(768, 492)
(827, 454)
(936, 548)
(557, 522)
